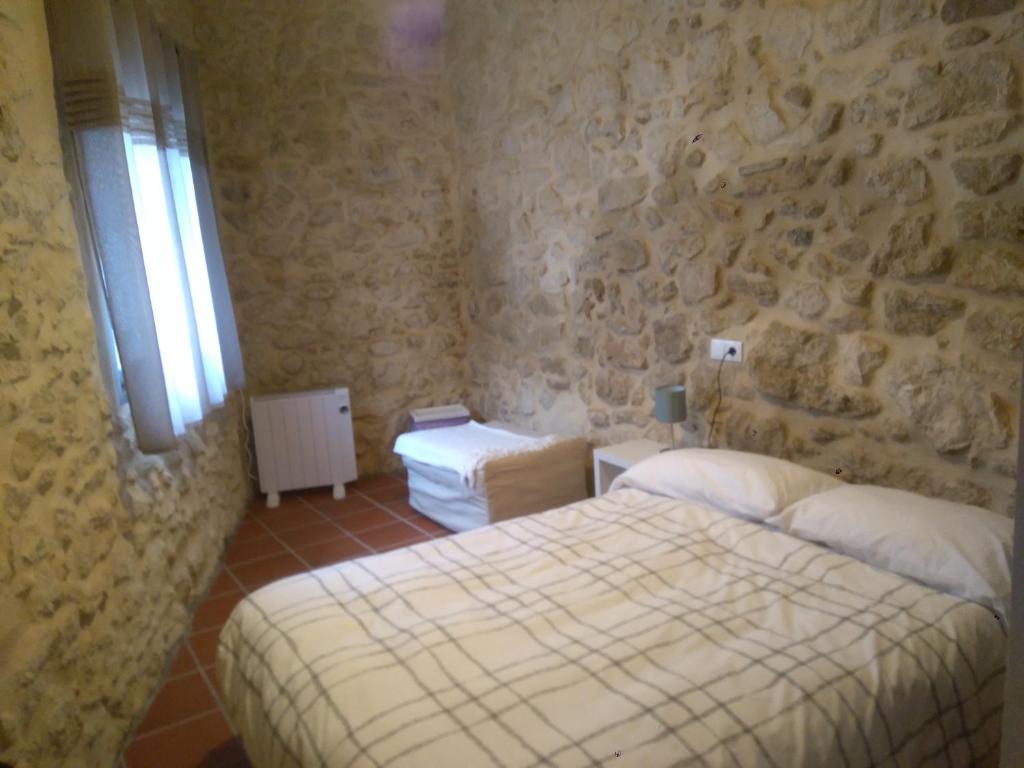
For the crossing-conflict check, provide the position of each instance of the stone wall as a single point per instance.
(331, 142)
(102, 550)
(834, 183)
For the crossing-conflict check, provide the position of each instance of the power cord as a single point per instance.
(718, 381)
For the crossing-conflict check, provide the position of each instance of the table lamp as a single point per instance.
(670, 406)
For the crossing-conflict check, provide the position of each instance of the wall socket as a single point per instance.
(720, 350)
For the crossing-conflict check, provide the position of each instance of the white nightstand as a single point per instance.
(612, 460)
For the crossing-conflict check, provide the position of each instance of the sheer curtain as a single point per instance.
(128, 100)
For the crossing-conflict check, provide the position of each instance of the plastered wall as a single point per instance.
(102, 550)
(835, 184)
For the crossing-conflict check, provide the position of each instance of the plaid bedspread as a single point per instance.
(627, 630)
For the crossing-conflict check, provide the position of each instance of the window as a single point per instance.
(171, 293)
(129, 104)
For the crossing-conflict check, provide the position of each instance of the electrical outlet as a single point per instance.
(720, 349)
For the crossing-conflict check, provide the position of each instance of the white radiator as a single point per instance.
(304, 440)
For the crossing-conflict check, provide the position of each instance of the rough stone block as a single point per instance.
(848, 24)
(905, 180)
(968, 84)
(860, 356)
(965, 37)
(856, 291)
(761, 288)
(763, 167)
(763, 121)
(905, 253)
(853, 249)
(663, 146)
(993, 271)
(698, 281)
(828, 121)
(911, 48)
(613, 388)
(743, 431)
(839, 172)
(997, 330)
(623, 193)
(983, 133)
(808, 299)
(871, 111)
(798, 95)
(796, 366)
(955, 11)
(870, 146)
(990, 221)
(848, 321)
(627, 254)
(789, 31)
(671, 339)
(711, 56)
(625, 353)
(984, 175)
(951, 407)
(910, 313)
(598, 88)
(897, 15)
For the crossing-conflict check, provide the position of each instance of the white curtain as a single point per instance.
(129, 102)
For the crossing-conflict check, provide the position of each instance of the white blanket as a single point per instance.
(627, 630)
(465, 449)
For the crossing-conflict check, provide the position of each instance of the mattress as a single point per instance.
(629, 629)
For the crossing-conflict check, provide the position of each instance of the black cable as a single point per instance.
(718, 381)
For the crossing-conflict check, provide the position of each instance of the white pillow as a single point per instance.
(954, 548)
(746, 484)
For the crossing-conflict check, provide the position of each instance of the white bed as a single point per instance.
(631, 629)
(470, 475)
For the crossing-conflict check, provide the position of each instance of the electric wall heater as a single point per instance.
(304, 440)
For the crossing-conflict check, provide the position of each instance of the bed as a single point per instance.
(471, 475)
(632, 629)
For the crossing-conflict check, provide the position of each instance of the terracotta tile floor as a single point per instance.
(185, 726)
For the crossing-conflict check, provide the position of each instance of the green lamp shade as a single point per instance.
(670, 404)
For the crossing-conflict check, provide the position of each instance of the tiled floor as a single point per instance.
(185, 726)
